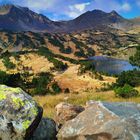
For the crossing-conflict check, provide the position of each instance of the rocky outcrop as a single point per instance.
(65, 112)
(19, 114)
(104, 121)
(47, 130)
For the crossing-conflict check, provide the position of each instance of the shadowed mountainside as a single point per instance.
(18, 18)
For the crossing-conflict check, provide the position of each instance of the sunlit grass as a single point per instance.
(49, 102)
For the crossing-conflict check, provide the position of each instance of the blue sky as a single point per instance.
(69, 9)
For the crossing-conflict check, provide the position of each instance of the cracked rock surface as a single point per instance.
(104, 121)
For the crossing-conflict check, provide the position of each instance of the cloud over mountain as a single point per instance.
(68, 9)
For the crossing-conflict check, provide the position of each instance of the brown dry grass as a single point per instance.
(32, 60)
(36, 62)
(70, 79)
(49, 102)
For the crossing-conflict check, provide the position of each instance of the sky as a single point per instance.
(70, 9)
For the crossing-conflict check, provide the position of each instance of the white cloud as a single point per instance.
(73, 8)
(81, 7)
(73, 14)
(111, 5)
(38, 5)
(77, 9)
(125, 7)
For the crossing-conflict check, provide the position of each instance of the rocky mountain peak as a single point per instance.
(5, 9)
(97, 11)
(113, 12)
(17, 18)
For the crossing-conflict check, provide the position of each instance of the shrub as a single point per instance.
(78, 44)
(126, 91)
(129, 77)
(80, 53)
(67, 50)
(90, 52)
(58, 65)
(40, 83)
(13, 80)
(99, 76)
(86, 66)
(56, 88)
(8, 64)
(3, 77)
(135, 60)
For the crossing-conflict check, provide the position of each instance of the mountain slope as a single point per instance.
(136, 21)
(98, 19)
(18, 18)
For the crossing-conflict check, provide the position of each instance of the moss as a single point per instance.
(8, 90)
(18, 102)
(15, 90)
(2, 96)
(34, 111)
(26, 124)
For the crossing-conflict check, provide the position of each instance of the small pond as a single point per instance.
(111, 65)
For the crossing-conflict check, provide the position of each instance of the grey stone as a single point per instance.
(66, 111)
(47, 130)
(19, 114)
(104, 121)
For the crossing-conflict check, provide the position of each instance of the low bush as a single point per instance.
(80, 53)
(86, 66)
(90, 52)
(58, 65)
(135, 60)
(126, 91)
(98, 76)
(39, 84)
(7, 63)
(56, 88)
(129, 77)
(13, 80)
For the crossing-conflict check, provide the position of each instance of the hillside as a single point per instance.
(75, 45)
(50, 63)
(18, 18)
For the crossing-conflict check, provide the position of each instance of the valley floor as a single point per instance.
(82, 88)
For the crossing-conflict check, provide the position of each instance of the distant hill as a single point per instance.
(136, 21)
(17, 18)
(98, 19)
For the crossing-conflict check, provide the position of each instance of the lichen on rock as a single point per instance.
(19, 114)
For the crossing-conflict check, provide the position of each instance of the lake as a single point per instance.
(111, 65)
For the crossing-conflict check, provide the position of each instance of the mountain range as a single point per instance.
(17, 18)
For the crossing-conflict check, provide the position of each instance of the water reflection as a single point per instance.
(111, 65)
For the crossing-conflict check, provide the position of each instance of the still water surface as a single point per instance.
(111, 65)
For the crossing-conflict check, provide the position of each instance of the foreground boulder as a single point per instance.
(46, 130)
(19, 114)
(104, 121)
(65, 112)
